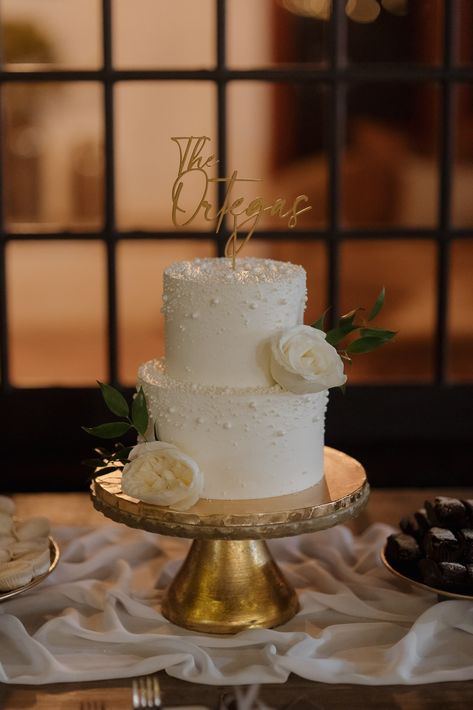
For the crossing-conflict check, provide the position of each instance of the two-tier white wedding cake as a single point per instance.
(231, 337)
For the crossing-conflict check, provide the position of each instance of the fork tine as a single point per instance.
(135, 694)
(149, 692)
(146, 693)
(156, 692)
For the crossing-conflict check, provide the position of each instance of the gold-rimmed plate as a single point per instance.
(54, 557)
(341, 494)
(441, 593)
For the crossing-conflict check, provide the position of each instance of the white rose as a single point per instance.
(302, 361)
(159, 473)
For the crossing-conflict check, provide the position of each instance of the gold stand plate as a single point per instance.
(229, 581)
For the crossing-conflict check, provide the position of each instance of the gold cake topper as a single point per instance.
(193, 166)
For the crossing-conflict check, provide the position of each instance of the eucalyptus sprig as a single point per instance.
(370, 338)
(137, 419)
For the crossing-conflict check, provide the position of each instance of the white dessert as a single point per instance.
(15, 574)
(24, 552)
(218, 321)
(7, 505)
(32, 528)
(214, 396)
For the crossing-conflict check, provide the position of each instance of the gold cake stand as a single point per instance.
(229, 580)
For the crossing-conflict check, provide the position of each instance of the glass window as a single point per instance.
(56, 308)
(162, 34)
(462, 167)
(147, 160)
(390, 173)
(53, 165)
(55, 34)
(460, 321)
(279, 133)
(407, 270)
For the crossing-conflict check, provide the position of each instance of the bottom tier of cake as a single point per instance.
(248, 443)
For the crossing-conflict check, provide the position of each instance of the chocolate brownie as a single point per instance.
(402, 549)
(436, 545)
(430, 572)
(447, 513)
(465, 537)
(422, 520)
(454, 576)
(410, 526)
(451, 576)
(469, 509)
(441, 545)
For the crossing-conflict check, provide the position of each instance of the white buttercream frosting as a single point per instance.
(219, 320)
(248, 442)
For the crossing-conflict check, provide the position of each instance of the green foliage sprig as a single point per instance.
(370, 338)
(137, 419)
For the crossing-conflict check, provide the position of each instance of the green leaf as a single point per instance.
(335, 335)
(114, 400)
(108, 469)
(139, 412)
(350, 316)
(122, 454)
(378, 333)
(92, 463)
(378, 304)
(365, 345)
(320, 322)
(111, 430)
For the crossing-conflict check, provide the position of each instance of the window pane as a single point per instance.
(272, 32)
(464, 43)
(279, 133)
(53, 136)
(57, 324)
(140, 284)
(147, 161)
(460, 321)
(402, 32)
(164, 33)
(407, 270)
(60, 33)
(390, 166)
(462, 174)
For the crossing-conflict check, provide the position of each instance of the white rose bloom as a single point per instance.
(302, 361)
(159, 473)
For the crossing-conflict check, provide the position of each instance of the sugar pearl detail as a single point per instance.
(227, 425)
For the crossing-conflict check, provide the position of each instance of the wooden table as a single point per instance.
(385, 505)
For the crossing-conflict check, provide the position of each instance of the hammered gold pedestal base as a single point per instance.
(229, 581)
(225, 586)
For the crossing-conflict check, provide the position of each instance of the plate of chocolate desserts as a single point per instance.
(434, 549)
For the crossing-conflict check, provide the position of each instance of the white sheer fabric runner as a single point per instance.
(96, 617)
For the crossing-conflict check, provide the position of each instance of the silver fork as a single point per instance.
(146, 693)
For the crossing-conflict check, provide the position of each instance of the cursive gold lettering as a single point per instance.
(193, 166)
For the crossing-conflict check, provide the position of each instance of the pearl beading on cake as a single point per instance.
(249, 443)
(218, 321)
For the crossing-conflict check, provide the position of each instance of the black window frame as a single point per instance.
(407, 434)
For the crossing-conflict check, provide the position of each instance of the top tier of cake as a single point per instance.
(218, 320)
